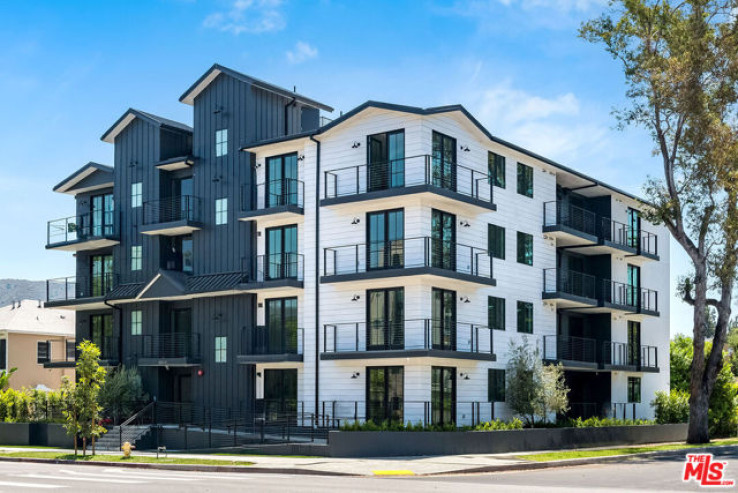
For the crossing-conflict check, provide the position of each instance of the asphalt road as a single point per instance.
(635, 475)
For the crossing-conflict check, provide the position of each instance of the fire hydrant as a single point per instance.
(126, 448)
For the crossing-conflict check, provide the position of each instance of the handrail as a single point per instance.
(139, 413)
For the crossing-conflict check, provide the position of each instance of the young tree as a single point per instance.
(680, 61)
(70, 409)
(90, 377)
(554, 394)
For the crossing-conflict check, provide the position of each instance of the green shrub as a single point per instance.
(515, 424)
(672, 407)
(595, 422)
(30, 405)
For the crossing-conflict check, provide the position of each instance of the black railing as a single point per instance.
(408, 172)
(78, 287)
(274, 267)
(171, 209)
(623, 354)
(172, 345)
(407, 253)
(263, 340)
(621, 410)
(569, 348)
(628, 295)
(557, 213)
(585, 410)
(427, 413)
(102, 224)
(108, 346)
(569, 282)
(407, 335)
(274, 193)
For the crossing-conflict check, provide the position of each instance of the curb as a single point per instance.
(532, 466)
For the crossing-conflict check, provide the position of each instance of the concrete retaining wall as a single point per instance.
(40, 434)
(406, 443)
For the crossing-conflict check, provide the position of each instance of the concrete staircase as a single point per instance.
(113, 439)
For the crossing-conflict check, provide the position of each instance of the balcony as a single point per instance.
(580, 230)
(570, 289)
(83, 232)
(572, 352)
(411, 175)
(460, 413)
(582, 353)
(173, 216)
(271, 344)
(176, 349)
(630, 357)
(407, 257)
(276, 201)
(109, 355)
(409, 339)
(85, 292)
(274, 271)
(627, 298)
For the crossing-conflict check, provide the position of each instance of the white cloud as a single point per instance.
(301, 53)
(249, 16)
(560, 5)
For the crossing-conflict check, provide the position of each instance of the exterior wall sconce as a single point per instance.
(200, 372)
(257, 165)
(301, 157)
(464, 299)
(356, 221)
(356, 298)
(464, 224)
(258, 374)
(464, 376)
(356, 145)
(465, 148)
(355, 375)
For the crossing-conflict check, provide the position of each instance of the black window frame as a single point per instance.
(634, 383)
(525, 316)
(43, 352)
(388, 410)
(496, 241)
(523, 240)
(496, 319)
(496, 168)
(496, 385)
(525, 180)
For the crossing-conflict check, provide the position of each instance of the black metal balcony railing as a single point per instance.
(408, 172)
(273, 267)
(274, 193)
(78, 287)
(640, 299)
(171, 209)
(172, 345)
(407, 253)
(102, 224)
(460, 413)
(626, 236)
(569, 348)
(264, 340)
(417, 334)
(623, 354)
(557, 213)
(569, 282)
(108, 346)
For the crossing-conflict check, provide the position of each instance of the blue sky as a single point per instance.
(69, 69)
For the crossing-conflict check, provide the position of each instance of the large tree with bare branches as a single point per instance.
(680, 60)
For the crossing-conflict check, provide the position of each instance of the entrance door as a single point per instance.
(443, 395)
(281, 258)
(280, 396)
(634, 343)
(385, 394)
(281, 329)
(385, 325)
(101, 270)
(443, 173)
(385, 239)
(183, 388)
(443, 240)
(444, 319)
(101, 215)
(634, 228)
(386, 160)
(281, 185)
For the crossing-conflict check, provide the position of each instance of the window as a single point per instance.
(385, 239)
(496, 167)
(496, 313)
(136, 322)
(496, 241)
(525, 317)
(525, 180)
(386, 160)
(525, 248)
(443, 395)
(221, 142)
(101, 334)
(71, 350)
(634, 343)
(136, 194)
(3, 354)
(633, 228)
(495, 385)
(221, 211)
(136, 257)
(385, 394)
(443, 240)
(221, 347)
(634, 389)
(43, 352)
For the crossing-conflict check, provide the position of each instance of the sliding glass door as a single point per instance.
(101, 215)
(443, 172)
(385, 239)
(443, 324)
(281, 316)
(443, 395)
(281, 258)
(101, 274)
(385, 319)
(443, 240)
(281, 186)
(386, 160)
(385, 394)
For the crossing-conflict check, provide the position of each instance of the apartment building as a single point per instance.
(375, 266)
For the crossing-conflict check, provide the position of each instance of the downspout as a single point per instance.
(286, 114)
(120, 329)
(317, 276)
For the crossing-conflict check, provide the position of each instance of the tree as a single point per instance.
(680, 61)
(122, 393)
(533, 389)
(70, 409)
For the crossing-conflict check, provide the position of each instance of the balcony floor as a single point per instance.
(408, 353)
(84, 245)
(172, 228)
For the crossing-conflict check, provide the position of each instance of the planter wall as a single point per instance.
(40, 434)
(406, 443)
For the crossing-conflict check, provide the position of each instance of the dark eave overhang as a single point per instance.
(130, 115)
(68, 184)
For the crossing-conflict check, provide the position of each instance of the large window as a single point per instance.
(385, 319)
(136, 194)
(221, 349)
(443, 395)
(101, 270)
(496, 167)
(634, 389)
(634, 343)
(281, 186)
(385, 239)
(386, 160)
(496, 241)
(443, 240)
(221, 142)
(525, 180)
(525, 317)
(495, 385)
(633, 232)
(496, 313)
(385, 394)
(525, 248)
(282, 261)
(43, 352)
(136, 257)
(634, 285)
(101, 215)
(281, 330)
(136, 322)
(443, 166)
(443, 313)
(101, 334)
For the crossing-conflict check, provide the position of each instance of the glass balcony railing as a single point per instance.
(81, 228)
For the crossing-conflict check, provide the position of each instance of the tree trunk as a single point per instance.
(698, 431)
(76, 445)
(84, 446)
(93, 445)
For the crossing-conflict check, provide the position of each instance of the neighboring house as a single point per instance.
(375, 266)
(39, 342)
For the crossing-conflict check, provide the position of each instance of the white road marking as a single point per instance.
(126, 475)
(185, 472)
(100, 479)
(30, 485)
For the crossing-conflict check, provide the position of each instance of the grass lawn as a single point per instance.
(133, 459)
(580, 454)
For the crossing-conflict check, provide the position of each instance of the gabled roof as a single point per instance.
(130, 115)
(432, 111)
(69, 184)
(204, 81)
